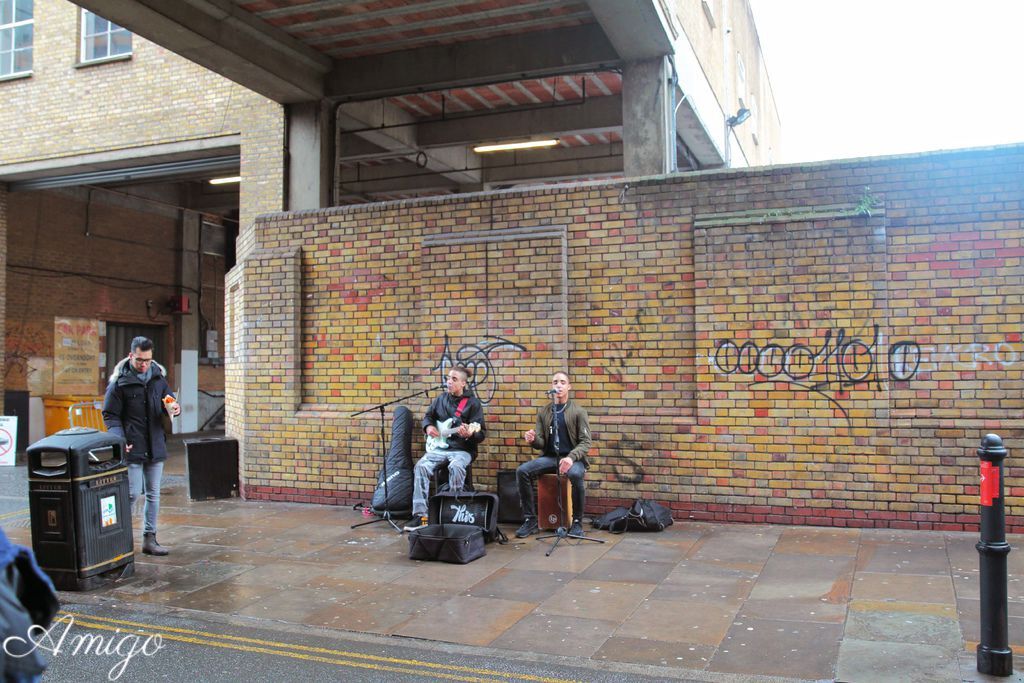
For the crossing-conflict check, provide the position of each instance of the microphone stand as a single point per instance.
(386, 515)
(561, 532)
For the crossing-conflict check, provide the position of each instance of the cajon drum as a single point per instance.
(551, 514)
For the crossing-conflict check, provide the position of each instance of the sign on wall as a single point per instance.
(39, 376)
(8, 439)
(76, 356)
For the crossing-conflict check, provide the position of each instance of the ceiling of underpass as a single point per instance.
(413, 85)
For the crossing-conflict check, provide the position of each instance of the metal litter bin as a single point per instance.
(79, 507)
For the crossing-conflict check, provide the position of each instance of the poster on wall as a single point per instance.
(8, 439)
(39, 376)
(76, 356)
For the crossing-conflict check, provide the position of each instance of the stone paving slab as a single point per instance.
(896, 662)
(557, 635)
(799, 603)
(916, 587)
(656, 652)
(779, 648)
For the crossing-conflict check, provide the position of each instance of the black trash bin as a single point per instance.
(212, 467)
(80, 510)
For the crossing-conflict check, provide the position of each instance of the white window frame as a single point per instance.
(84, 38)
(10, 29)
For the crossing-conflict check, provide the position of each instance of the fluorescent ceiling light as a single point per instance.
(529, 144)
(224, 181)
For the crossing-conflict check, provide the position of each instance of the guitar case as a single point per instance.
(398, 463)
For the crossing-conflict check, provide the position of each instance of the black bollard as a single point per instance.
(994, 655)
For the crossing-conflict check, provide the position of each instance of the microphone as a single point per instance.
(549, 392)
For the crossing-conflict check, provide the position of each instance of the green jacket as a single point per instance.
(575, 422)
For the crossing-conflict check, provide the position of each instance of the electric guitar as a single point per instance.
(448, 428)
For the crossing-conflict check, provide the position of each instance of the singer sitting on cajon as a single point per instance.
(562, 435)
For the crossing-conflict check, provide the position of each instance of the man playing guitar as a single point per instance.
(461, 415)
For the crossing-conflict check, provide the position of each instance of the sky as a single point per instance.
(856, 78)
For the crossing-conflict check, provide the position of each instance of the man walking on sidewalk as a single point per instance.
(132, 409)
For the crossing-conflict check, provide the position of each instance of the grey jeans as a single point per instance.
(457, 462)
(146, 476)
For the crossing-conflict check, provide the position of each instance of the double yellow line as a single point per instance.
(16, 513)
(304, 652)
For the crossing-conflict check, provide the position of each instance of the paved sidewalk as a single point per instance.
(803, 603)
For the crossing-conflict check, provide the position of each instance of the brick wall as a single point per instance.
(819, 344)
(155, 97)
(92, 254)
(119, 107)
(110, 106)
(263, 168)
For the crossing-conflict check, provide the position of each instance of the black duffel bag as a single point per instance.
(455, 543)
(469, 508)
(642, 515)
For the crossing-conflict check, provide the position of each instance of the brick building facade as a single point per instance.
(817, 344)
(99, 251)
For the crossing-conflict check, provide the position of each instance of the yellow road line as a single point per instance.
(333, 656)
(14, 514)
(295, 655)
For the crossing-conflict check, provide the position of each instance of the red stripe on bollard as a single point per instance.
(989, 483)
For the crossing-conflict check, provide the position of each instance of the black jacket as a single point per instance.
(133, 411)
(444, 407)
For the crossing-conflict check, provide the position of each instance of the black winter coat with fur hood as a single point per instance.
(134, 411)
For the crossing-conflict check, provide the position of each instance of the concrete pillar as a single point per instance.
(187, 370)
(310, 155)
(648, 130)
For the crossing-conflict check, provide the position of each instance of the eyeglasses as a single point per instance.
(142, 361)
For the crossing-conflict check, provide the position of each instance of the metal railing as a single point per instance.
(87, 414)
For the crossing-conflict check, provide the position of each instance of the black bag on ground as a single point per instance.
(646, 515)
(614, 521)
(510, 509)
(642, 515)
(468, 508)
(398, 465)
(455, 543)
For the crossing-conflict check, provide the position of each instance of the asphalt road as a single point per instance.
(123, 642)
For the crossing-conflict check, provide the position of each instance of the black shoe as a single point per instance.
(576, 529)
(151, 547)
(417, 522)
(528, 528)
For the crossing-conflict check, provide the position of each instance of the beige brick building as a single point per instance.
(818, 344)
(107, 212)
(114, 136)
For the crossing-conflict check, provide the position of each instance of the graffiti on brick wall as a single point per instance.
(621, 353)
(624, 466)
(916, 359)
(839, 363)
(477, 358)
(21, 343)
(844, 362)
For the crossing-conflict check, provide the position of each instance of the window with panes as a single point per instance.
(16, 27)
(102, 39)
